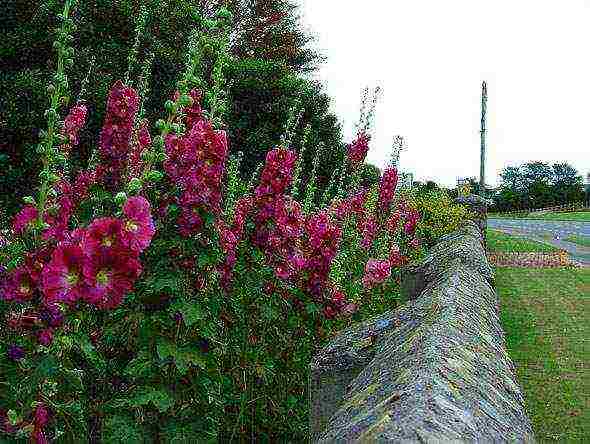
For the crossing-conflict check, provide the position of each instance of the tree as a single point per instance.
(266, 39)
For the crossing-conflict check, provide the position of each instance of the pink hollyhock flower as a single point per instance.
(35, 262)
(103, 233)
(58, 224)
(357, 150)
(369, 229)
(62, 278)
(376, 272)
(329, 312)
(24, 218)
(358, 200)
(73, 122)
(412, 218)
(277, 173)
(138, 225)
(414, 243)
(45, 337)
(396, 258)
(189, 221)
(19, 286)
(387, 188)
(111, 275)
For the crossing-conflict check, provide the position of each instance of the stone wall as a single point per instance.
(434, 370)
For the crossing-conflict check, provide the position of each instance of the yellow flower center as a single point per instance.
(24, 288)
(72, 278)
(107, 241)
(131, 226)
(102, 277)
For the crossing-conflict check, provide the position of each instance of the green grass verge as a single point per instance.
(546, 316)
(584, 241)
(501, 242)
(580, 216)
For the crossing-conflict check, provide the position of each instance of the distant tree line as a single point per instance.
(539, 185)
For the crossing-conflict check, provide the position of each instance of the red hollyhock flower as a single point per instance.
(19, 286)
(23, 219)
(412, 218)
(111, 274)
(103, 233)
(393, 221)
(62, 278)
(138, 225)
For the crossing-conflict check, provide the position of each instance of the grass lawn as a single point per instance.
(584, 241)
(580, 216)
(498, 241)
(546, 316)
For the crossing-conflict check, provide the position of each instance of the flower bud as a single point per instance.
(120, 198)
(209, 24)
(185, 100)
(134, 185)
(155, 176)
(69, 63)
(161, 156)
(159, 126)
(225, 14)
(29, 200)
(50, 89)
(170, 106)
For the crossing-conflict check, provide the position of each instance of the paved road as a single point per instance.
(545, 231)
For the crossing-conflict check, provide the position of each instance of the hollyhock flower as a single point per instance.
(19, 286)
(122, 105)
(242, 208)
(189, 222)
(24, 219)
(143, 141)
(15, 353)
(58, 223)
(45, 336)
(277, 173)
(357, 150)
(73, 122)
(387, 188)
(62, 278)
(138, 226)
(393, 221)
(395, 256)
(193, 112)
(103, 233)
(329, 312)
(376, 272)
(369, 229)
(414, 243)
(358, 200)
(111, 275)
(412, 218)
(35, 262)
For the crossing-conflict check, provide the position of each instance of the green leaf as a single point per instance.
(191, 311)
(160, 398)
(139, 366)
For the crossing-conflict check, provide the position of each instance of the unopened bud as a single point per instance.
(50, 89)
(134, 185)
(29, 200)
(170, 106)
(120, 198)
(160, 124)
(155, 176)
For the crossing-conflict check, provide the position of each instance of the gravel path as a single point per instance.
(549, 232)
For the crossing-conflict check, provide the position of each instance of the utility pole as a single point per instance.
(482, 170)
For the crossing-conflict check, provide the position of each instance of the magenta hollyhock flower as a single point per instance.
(138, 225)
(52, 315)
(193, 112)
(143, 141)
(277, 173)
(19, 286)
(111, 274)
(358, 149)
(24, 218)
(73, 122)
(103, 233)
(329, 312)
(45, 336)
(395, 256)
(376, 272)
(387, 188)
(62, 278)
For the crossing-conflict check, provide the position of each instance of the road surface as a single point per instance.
(550, 232)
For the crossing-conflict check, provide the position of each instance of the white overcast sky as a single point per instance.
(430, 57)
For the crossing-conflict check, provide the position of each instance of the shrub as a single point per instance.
(439, 215)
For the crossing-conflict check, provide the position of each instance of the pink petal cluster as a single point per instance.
(122, 105)
(277, 173)
(24, 218)
(193, 113)
(376, 272)
(387, 188)
(357, 150)
(73, 122)
(337, 304)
